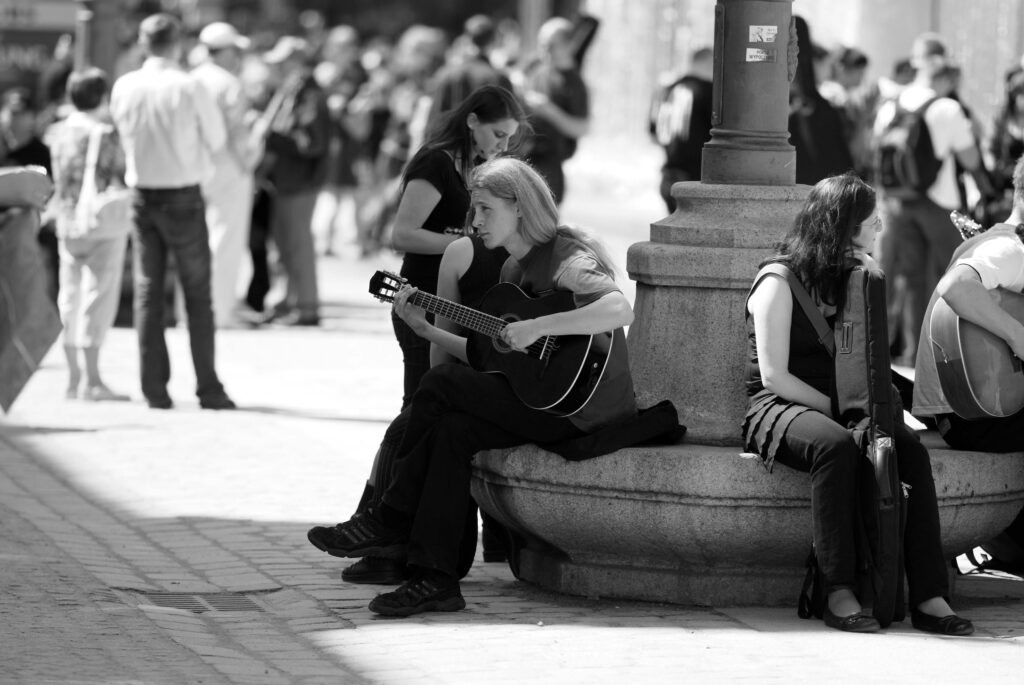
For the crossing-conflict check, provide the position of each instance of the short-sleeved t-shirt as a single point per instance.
(998, 257)
(436, 168)
(949, 128)
(564, 265)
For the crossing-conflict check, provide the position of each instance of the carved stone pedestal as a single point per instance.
(700, 525)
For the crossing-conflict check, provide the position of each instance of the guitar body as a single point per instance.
(979, 374)
(561, 383)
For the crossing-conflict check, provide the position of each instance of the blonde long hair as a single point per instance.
(515, 180)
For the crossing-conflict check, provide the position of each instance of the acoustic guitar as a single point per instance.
(979, 374)
(556, 374)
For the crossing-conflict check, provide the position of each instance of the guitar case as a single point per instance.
(865, 402)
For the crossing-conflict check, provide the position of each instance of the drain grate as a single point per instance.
(199, 603)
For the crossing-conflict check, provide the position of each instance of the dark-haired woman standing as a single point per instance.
(435, 200)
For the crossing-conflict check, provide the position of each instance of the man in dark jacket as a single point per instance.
(681, 123)
(294, 169)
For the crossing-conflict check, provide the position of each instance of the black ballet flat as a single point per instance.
(854, 623)
(943, 625)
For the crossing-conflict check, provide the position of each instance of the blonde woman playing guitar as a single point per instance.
(459, 410)
(980, 296)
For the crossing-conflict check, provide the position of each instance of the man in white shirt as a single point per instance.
(993, 260)
(228, 192)
(170, 128)
(920, 238)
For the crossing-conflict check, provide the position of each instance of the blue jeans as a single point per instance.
(916, 245)
(291, 216)
(172, 221)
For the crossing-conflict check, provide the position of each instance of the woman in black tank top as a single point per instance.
(789, 418)
(434, 200)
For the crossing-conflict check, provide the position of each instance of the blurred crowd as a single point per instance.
(317, 127)
(837, 119)
(365, 104)
(320, 124)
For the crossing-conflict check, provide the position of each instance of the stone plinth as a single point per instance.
(688, 343)
(697, 524)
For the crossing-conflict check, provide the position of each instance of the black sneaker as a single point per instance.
(419, 595)
(376, 571)
(360, 536)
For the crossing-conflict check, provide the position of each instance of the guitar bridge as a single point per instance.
(548, 348)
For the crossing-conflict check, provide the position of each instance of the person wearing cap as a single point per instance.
(297, 127)
(170, 128)
(920, 241)
(228, 192)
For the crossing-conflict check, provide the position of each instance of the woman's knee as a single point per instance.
(445, 379)
(838, 455)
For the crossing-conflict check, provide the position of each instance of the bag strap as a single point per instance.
(825, 335)
(92, 158)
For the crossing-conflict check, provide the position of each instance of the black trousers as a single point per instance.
(415, 357)
(817, 444)
(988, 435)
(259, 234)
(457, 412)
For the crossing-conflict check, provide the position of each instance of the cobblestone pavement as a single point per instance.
(141, 546)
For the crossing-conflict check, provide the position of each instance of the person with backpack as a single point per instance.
(919, 137)
(680, 122)
(790, 417)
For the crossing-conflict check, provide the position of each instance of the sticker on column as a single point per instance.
(761, 55)
(762, 34)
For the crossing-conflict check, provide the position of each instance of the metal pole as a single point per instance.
(83, 23)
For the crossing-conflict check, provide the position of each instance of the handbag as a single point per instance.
(106, 214)
(29, 322)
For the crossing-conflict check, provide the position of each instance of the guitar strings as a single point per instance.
(489, 325)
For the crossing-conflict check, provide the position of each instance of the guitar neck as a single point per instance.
(464, 316)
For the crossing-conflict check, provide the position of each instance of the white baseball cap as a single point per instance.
(220, 35)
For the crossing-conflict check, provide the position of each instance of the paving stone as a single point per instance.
(102, 496)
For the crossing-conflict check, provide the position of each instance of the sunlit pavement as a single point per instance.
(143, 546)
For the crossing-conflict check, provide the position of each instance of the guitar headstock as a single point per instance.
(384, 285)
(967, 226)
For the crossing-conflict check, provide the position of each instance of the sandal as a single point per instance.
(360, 536)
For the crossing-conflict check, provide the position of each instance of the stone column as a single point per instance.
(688, 342)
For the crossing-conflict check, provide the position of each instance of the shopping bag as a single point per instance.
(29, 322)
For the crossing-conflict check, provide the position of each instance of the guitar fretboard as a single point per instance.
(485, 324)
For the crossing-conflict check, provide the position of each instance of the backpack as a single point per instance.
(680, 121)
(905, 162)
(866, 403)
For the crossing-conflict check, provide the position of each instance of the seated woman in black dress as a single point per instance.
(789, 418)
